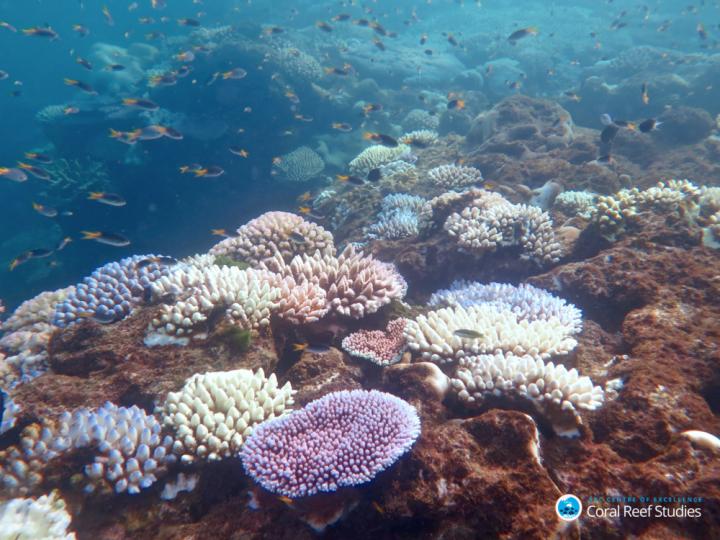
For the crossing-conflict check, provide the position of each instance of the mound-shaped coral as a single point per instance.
(213, 413)
(275, 232)
(340, 440)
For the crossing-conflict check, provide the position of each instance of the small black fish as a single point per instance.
(297, 237)
(374, 175)
(608, 134)
(648, 125)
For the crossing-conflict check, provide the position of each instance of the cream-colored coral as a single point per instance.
(43, 518)
(214, 412)
(355, 285)
(301, 303)
(452, 176)
(419, 137)
(375, 156)
(275, 232)
(556, 391)
(247, 298)
(26, 335)
(576, 203)
(491, 222)
(435, 335)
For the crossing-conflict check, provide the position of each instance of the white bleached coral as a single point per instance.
(491, 222)
(419, 137)
(355, 285)
(556, 391)
(44, 518)
(275, 232)
(528, 302)
(577, 203)
(401, 216)
(453, 176)
(247, 298)
(434, 335)
(26, 335)
(300, 165)
(214, 412)
(375, 156)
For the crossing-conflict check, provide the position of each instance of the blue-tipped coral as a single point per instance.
(111, 292)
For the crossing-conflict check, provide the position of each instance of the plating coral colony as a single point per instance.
(396, 270)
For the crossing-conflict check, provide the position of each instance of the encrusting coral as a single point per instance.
(213, 413)
(275, 232)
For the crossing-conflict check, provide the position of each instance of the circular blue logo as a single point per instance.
(568, 507)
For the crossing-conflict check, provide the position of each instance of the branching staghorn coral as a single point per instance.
(71, 179)
(376, 156)
(491, 222)
(275, 232)
(355, 285)
(300, 165)
(454, 176)
(213, 413)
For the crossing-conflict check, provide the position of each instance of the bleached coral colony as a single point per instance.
(281, 269)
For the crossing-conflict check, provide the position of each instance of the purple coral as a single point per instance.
(111, 292)
(342, 439)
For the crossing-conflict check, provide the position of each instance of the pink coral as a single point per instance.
(342, 439)
(383, 348)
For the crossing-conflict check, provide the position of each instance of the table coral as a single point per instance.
(214, 413)
(375, 156)
(300, 165)
(401, 216)
(342, 439)
(454, 176)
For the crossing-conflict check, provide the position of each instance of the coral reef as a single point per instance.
(419, 119)
(275, 232)
(420, 138)
(340, 440)
(383, 348)
(215, 412)
(300, 165)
